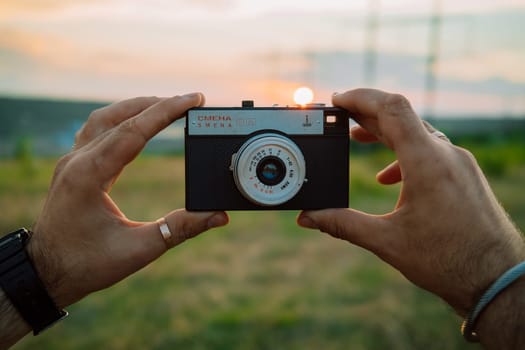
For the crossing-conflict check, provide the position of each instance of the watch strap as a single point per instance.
(23, 287)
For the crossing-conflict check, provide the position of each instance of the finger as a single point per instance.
(360, 134)
(107, 117)
(126, 141)
(149, 244)
(391, 174)
(436, 133)
(165, 112)
(365, 230)
(389, 117)
(186, 225)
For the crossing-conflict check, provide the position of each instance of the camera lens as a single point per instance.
(271, 171)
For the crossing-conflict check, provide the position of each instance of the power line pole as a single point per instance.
(432, 60)
(372, 26)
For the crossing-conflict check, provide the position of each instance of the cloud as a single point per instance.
(341, 70)
(503, 65)
(26, 10)
(10, 9)
(95, 50)
(35, 5)
(210, 4)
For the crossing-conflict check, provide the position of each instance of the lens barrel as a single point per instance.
(269, 169)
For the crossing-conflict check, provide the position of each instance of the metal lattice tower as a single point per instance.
(432, 60)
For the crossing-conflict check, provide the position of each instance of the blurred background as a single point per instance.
(261, 282)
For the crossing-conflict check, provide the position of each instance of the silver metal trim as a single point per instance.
(244, 169)
(247, 121)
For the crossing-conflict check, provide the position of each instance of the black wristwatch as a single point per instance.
(21, 284)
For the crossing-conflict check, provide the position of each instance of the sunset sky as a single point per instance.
(262, 50)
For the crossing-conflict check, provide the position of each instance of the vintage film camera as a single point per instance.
(266, 158)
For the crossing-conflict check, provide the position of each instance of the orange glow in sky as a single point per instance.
(262, 50)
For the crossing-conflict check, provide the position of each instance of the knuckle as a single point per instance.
(466, 158)
(130, 127)
(336, 229)
(397, 100)
(186, 231)
(395, 104)
(84, 133)
(62, 163)
(88, 130)
(96, 122)
(465, 155)
(67, 172)
(451, 167)
(95, 116)
(78, 135)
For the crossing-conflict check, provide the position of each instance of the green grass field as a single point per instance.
(259, 283)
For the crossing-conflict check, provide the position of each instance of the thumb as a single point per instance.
(182, 226)
(365, 230)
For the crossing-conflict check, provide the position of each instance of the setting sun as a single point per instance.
(303, 96)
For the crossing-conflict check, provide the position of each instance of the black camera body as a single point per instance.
(266, 158)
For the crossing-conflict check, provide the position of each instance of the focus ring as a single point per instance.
(281, 153)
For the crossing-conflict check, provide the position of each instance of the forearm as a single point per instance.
(502, 324)
(12, 326)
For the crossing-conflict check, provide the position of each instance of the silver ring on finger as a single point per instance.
(165, 231)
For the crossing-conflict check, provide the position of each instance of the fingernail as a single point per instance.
(307, 222)
(192, 95)
(217, 220)
(335, 93)
(196, 96)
